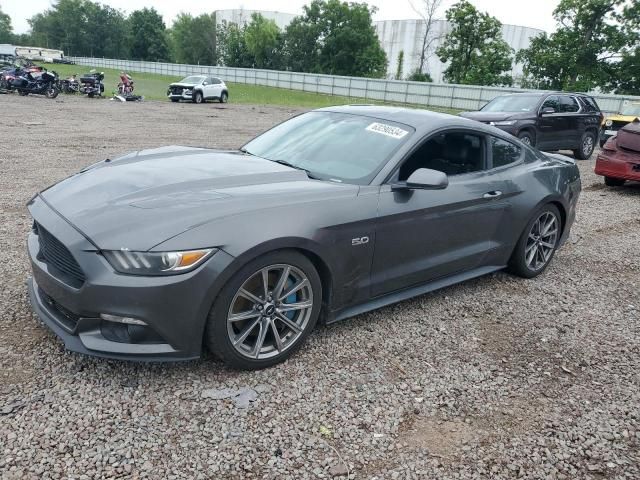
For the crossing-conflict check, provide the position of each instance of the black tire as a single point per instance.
(217, 336)
(224, 97)
(614, 182)
(518, 261)
(52, 92)
(198, 98)
(22, 93)
(587, 146)
(175, 100)
(90, 95)
(527, 138)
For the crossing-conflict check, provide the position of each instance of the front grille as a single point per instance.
(176, 90)
(54, 253)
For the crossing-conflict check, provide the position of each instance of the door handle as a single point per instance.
(492, 194)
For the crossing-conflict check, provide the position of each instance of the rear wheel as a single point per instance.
(537, 245)
(197, 97)
(266, 311)
(527, 138)
(587, 144)
(613, 182)
(224, 98)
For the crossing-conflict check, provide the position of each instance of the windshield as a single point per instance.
(193, 79)
(332, 146)
(513, 103)
(631, 109)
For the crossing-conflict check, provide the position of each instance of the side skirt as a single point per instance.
(411, 292)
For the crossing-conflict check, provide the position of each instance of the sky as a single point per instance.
(537, 14)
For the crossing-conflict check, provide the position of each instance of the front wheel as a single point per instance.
(266, 311)
(197, 97)
(537, 244)
(527, 138)
(52, 92)
(613, 182)
(587, 145)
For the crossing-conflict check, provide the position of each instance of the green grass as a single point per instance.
(154, 87)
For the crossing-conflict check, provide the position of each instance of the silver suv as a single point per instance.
(199, 89)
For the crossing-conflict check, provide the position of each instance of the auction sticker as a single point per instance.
(388, 130)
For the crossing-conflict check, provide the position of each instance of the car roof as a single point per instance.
(419, 119)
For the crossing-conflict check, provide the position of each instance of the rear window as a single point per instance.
(590, 104)
(503, 152)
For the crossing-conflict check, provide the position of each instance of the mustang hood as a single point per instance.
(142, 199)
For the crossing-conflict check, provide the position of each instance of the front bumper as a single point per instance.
(174, 308)
(181, 96)
(618, 164)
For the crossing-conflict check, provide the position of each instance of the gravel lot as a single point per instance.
(497, 378)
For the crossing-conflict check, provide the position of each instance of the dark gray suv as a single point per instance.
(548, 121)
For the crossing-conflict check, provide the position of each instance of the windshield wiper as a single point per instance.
(244, 150)
(309, 174)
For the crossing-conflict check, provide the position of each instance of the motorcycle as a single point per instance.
(70, 85)
(125, 89)
(92, 84)
(7, 75)
(38, 83)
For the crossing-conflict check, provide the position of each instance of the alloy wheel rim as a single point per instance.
(526, 140)
(541, 241)
(270, 311)
(587, 145)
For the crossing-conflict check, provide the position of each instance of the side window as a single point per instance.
(568, 104)
(453, 153)
(503, 152)
(552, 102)
(208, 80)
(215, 81)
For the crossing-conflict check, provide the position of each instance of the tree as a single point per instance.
(400, 65)
(594, 39)
(6, 29)
(232, 45)
(417, 76)
(193, 39)
(80, 27)
(474, 48)
(262, 37)
(148, 36)
(427, 12)
(337, 38)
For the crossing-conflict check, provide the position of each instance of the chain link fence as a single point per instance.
(457, 97)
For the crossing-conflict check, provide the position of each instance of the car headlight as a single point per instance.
(505, 123)
(156, 263)
(608, 123)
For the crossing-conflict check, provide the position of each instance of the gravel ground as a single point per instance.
(497, 378)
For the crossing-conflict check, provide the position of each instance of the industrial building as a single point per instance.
(402, 35)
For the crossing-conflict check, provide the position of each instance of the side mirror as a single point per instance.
(424, 179)
(548, 111)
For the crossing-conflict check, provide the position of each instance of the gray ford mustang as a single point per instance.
(330, 214)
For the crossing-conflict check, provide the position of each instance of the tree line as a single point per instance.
(331, 36)
(596, 44)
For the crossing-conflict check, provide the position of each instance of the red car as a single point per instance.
(619, 159)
